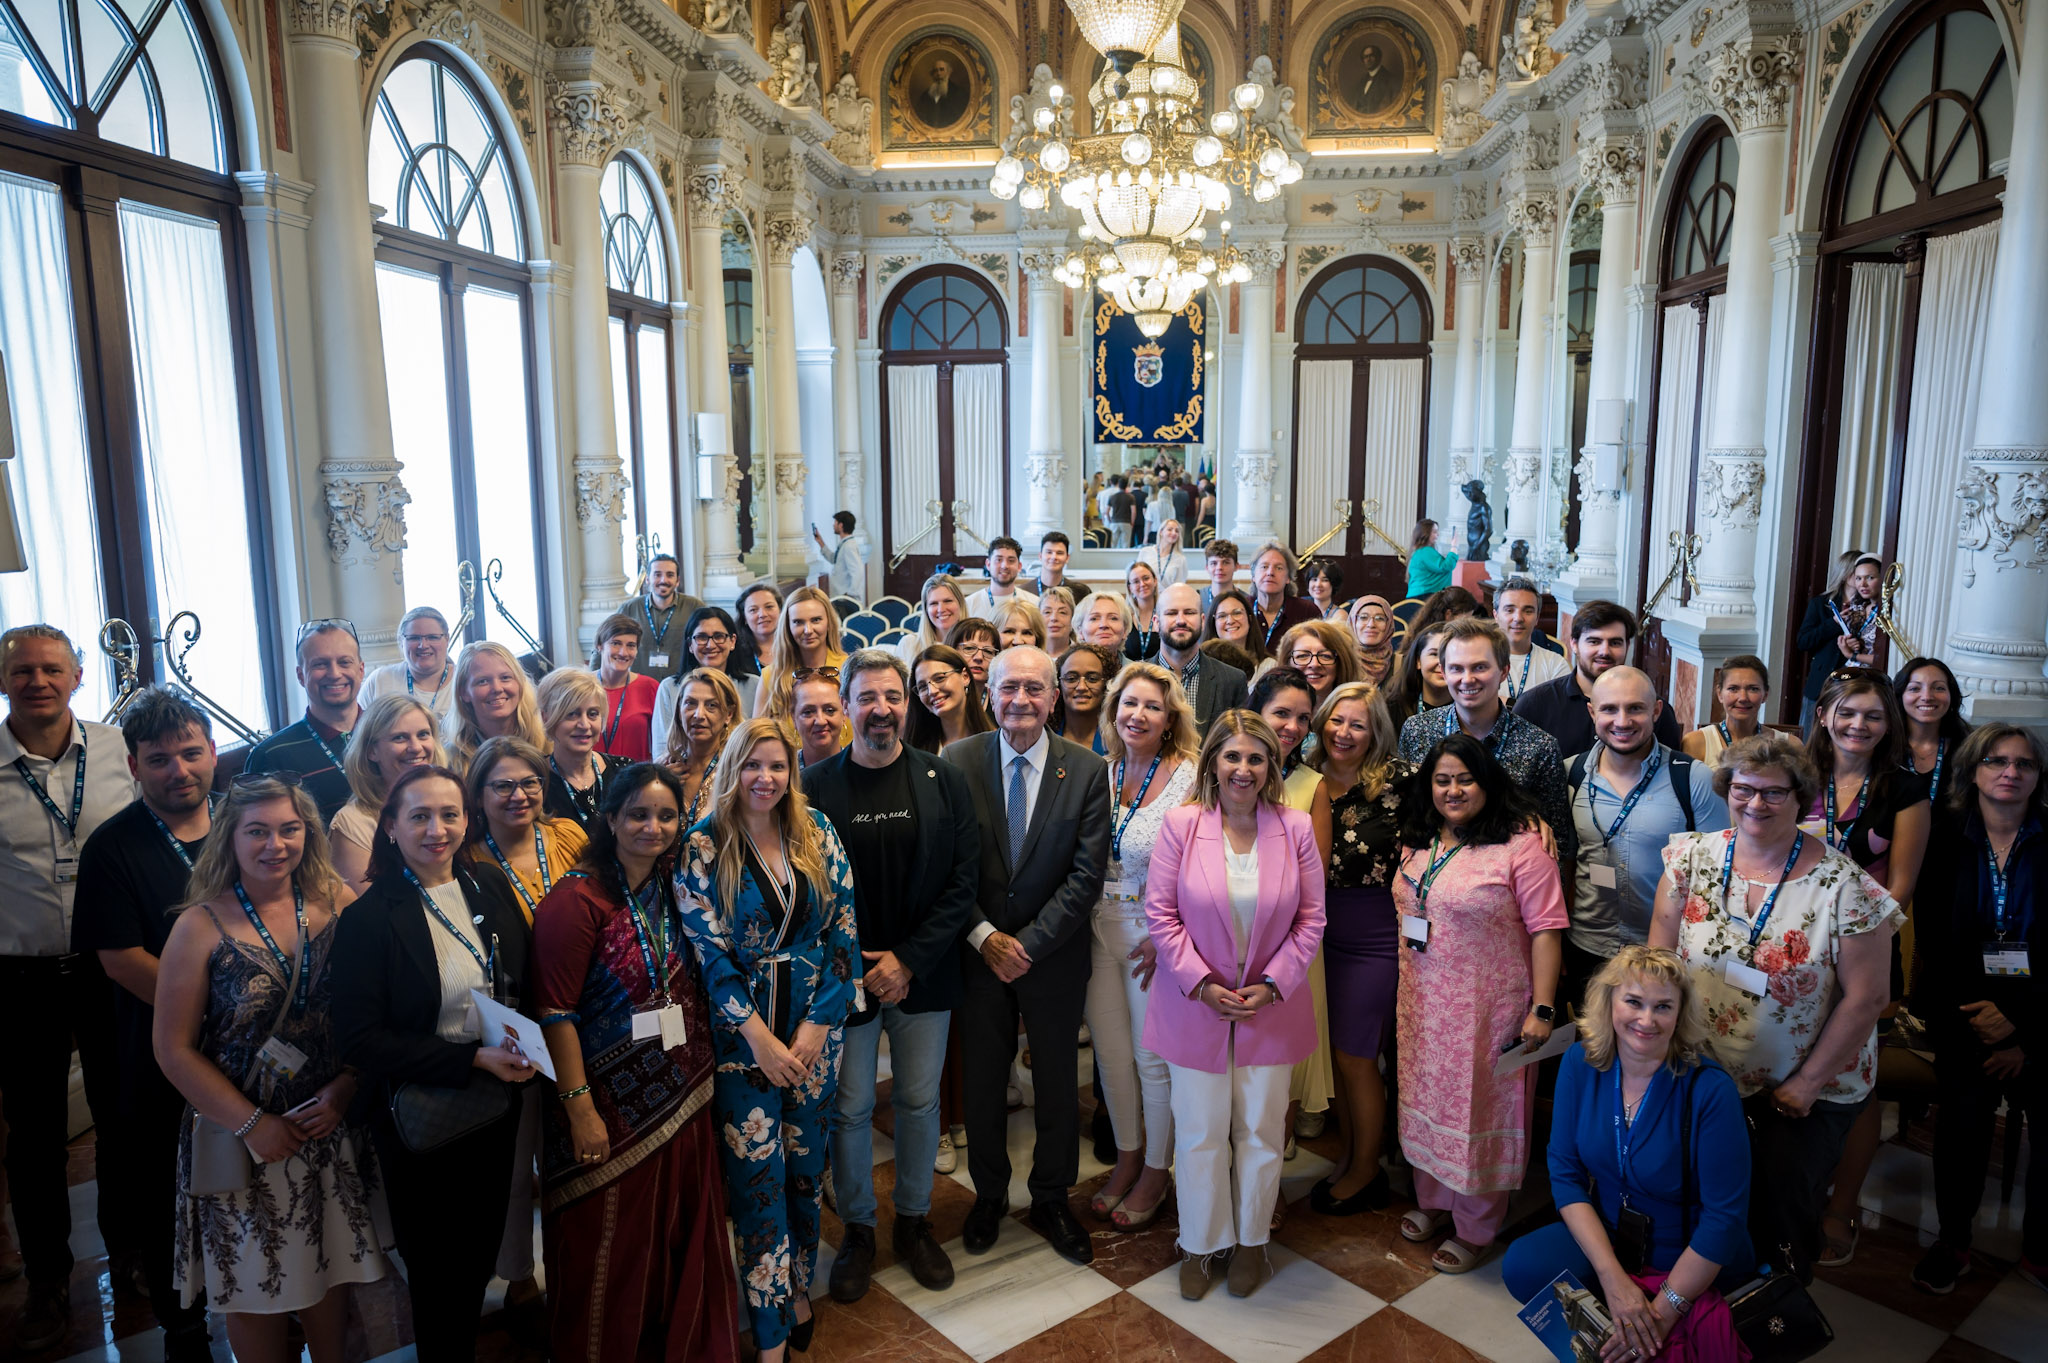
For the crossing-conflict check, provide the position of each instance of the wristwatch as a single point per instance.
(1544, 1013)
(1678, 1303)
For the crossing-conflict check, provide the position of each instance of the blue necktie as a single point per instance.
(1016, 802)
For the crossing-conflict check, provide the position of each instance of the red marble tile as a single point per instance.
(1121, 1328)
(1885, 1255)
(1391, 1337)
(1366, 1250)
(1126, 1257)
(877, 1329)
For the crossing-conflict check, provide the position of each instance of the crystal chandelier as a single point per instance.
(1155, 300)
(1146, 178)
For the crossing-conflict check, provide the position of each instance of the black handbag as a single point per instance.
(429, 1116)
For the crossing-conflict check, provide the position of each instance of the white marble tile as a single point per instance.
(1477, 1310)
(1869, 1333)
(2013, 1320)
(1023, 1135)
(1018, 1290)
(1901, 1188)
(1304, 1307)
(1302, 1173)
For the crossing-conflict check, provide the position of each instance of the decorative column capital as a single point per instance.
(1731, 490)
(705, 189)
(588, 120)
(1264, 259)
(1614, 166)
(1753, 81)
(338, 19)
(1470, 255)
(600, 491)
(1613, 86)
(1255, 472)
(846, 271)
(579, 23)
(1534, 215)
(783, 234)
(1038, 266)
(790, 477)
(1046, 472)
(366, 504)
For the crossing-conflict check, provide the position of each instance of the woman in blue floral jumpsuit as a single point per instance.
(767, 897)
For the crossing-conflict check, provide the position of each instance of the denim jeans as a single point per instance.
(917, 1057)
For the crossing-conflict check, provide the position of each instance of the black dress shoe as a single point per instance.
(1057, 1224)
(800, 1335)
(920, 1253)
(853, 1265)
(986, 1218)
(1374, 1196)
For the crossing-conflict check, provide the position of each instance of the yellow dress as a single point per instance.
(1314, 1082)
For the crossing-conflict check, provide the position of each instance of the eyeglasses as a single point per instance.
(719, 638)
(424, 638)
(505, 790)
(1082, 679)
(804, 674)
(313, 627)
(978, 650)
(930, 680)
(1770, 796)
(1021, 688)
(2025, 766)
(1314, 659)
(249, 780)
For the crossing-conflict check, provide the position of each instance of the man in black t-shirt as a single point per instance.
(132, 873)
(907, 822)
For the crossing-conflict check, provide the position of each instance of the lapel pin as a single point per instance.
(1059, 773)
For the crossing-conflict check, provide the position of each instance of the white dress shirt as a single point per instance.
(1533, 668)
(982, 604)
(35, 913)
(1035, 758)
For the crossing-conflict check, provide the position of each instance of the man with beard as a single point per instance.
(1516, 604)
(1629, 795)
(663, 612)
(819, 716)
(131, 878)
(1005, 562)
(1601, 633)
(1043, 807)
(331, 670)
(1213, 685)
(906, 819)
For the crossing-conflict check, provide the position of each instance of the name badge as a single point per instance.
(281, 1058)
(66, 867)
(1747, 978)
(1603, 875)
(1415, 931)
(2006, 958)
(657, 660)
(661, 1024)
(1126, 891)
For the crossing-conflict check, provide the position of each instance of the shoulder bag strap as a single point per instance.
(1680, 768)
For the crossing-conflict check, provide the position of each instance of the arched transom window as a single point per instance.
(635, 258)
(1704, 217)
(945, 312)
(1363, 305)
(437, 155)
(133, 73)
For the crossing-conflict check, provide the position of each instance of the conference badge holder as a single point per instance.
(664, 1023)
(2006, 959)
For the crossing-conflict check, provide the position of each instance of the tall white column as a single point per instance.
(781, 236)
(1255, 461)
(588, 124)
(846, 272)
(705, 191)
(1753, 80)
(359, 471)
(2001, 613)
(1615, 165)
(1469, 253)
(1047, 461)
(1534, 215)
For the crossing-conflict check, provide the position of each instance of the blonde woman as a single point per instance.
(493, 697)
(942, 605)
(707, 706)
(397, 732)
(1151, 745)
(806, 640)
(1056, 604)
(254, 961)
(572, 717)
(1018, 622)
(766, 894)
(1106, 619)
(1641, 1054)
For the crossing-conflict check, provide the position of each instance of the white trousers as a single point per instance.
(1229, 1141)
(1134, 1080)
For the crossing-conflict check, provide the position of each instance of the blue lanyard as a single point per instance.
(1628, 806)
(438, 686)
(487, 964)
(619, 710)
(667, 620)
(1436, 865)
(1862, 799)
(1727, 739)
(648, 924)
(1119, 825)
(1940, 757)
(1492, 740)
(70, 825)
(1625, 1130)
(314, 729)
(540, 853)
(1528, 661)
(1763, 915)
(1998, 881)
(703, 789)
(284, 962)
(170, 837)
(583, 802)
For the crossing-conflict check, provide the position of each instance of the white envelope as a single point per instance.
(494, 1020)
(1561, 1038)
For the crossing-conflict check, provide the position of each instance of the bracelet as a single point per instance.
(246, 1127)
(577, 1092)
(1679, 1304)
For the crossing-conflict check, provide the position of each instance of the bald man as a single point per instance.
(1629, 794)
(1213, 685)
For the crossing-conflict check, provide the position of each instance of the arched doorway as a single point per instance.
(1694, 269)
(945, 427)
(1361, 419)
(1909, 233)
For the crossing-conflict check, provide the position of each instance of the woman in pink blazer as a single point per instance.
(1234, 900)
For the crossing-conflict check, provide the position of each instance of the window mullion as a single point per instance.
(461, 438)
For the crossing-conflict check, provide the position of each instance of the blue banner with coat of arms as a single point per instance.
(1148, 391)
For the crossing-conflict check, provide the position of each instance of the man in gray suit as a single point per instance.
(1213, 685)
(1043, 807)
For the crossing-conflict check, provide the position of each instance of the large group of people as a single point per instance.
(1290, 871)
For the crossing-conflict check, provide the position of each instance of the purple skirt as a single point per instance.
(1361, 968)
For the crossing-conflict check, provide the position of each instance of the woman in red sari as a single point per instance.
(633, 1218)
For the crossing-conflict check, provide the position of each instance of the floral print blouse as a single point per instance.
(1365, 848)
(1762, 1041)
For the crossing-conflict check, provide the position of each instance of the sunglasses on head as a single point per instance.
(249, 780)
(803, 674)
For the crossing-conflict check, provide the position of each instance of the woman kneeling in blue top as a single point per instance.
(1654, 1239)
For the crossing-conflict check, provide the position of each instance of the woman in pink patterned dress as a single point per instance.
(1481, 913)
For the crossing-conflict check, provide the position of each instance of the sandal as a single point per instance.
(1124, 1219)
(1836, 1253)
(1455, 1256)
(1418, 1225)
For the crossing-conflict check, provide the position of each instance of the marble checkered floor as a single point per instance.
(1346, 1289)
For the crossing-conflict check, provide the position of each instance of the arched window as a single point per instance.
(453, 292)
(1703, 219)
(636, 268)
(125, 332)
(945, 312)
(1362, 305)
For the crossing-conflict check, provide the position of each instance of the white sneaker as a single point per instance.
(948, 1159)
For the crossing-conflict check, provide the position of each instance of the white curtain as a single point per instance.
(1870, 371)
(49, 479)
(913, 453)
(192, 446)
(978, 455)
(1393, 451)
(1949, 358)
(1681, 397)
(1322, 465)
